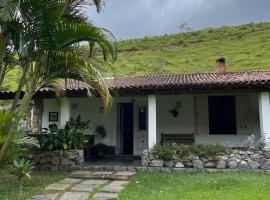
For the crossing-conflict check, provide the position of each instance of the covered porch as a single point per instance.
(138, 122)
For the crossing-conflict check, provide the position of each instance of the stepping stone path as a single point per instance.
(84, 185)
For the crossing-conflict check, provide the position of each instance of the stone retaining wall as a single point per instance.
(235, 159)
(57, 160)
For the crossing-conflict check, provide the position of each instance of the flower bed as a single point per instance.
(205, 156)
(57, 160)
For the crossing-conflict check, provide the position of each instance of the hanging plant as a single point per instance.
(174, 112)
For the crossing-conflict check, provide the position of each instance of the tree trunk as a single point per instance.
(11, 126)
(20, 185)
(37, 116)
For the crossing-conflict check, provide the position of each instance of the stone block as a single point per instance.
(266, 165)
(157, 163)
(75, 196)
(105, 196)
(58, 186)
(179, 165)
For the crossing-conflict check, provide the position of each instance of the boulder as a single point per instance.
(221, 164)
(250, 152)
(187, 163)
(79, 160)
(179, 165)
(55, 161)
(266, 154)
(145, 162)
(253, 164)
(157, 163)
(210, 165)
(70, 154)
(243, 165)
(256, 157)
(204, 160)
(266, 165)
(235, 151)
(258, 152)
(169, 163)
(45, 160)
(233, 163)
(197, 164)
(67, 162)
(241, 152)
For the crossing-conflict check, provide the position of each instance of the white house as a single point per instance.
(220, 107)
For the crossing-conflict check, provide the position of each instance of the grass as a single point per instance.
(246, 47)
(194, 186)
(40, 179)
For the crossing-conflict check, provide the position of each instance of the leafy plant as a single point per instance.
(252, 143)
(168, 151)
(100, 133)
(21, 143)
(165, 151)
(70, 137)
(21, 168)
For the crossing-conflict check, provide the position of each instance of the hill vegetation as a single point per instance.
(245, 47)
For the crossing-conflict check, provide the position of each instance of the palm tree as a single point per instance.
(47, 40)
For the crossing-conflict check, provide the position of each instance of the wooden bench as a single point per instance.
(178, 138)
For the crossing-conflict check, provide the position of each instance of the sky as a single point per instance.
(138, 18)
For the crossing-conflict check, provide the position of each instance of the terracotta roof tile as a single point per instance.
(251, 79)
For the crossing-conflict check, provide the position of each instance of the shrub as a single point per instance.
(71, 137)
(167, 151)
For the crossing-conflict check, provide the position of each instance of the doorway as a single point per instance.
(222, 115)
(126, 127)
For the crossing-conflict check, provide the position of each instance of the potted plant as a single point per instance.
(100, 134)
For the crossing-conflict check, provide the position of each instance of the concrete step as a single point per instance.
(88, 167)
(105, 175)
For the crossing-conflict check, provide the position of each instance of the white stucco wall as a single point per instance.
(183, 123)
(247, 121)
(192, 118)
(50, 105)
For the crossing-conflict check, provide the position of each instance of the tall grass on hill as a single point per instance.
(245, 47)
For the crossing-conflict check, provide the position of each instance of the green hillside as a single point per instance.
(246, 47)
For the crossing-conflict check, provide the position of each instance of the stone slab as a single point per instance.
(45, 197)
(75, 196)
(81, 172)
(58, 186)
(105, 196)
(119, 183)
(95, 182)
(114, 186)
(70, 180)
(102, 173)
(84, 187)
(125, 173)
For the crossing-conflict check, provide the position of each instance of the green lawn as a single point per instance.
(9, 188)
(198, 186)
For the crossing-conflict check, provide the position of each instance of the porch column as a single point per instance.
(152, 122)
(64, 112)
(264, 109)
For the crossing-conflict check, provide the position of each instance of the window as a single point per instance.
(142, 118)
(222, 115)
